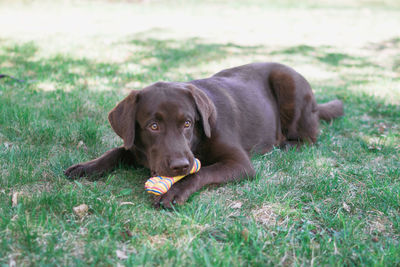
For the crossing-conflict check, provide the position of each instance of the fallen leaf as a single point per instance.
(12, 263)
(245, 234)
(236, 205)
(374, 147)
(14, 199)
(126, 234)
(346, 207)
(81, 210)
(121, 254)
(7, 145)
(81, 144)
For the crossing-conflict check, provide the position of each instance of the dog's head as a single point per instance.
(164, 121)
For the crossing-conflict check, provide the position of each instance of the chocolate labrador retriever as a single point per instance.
(221, 120)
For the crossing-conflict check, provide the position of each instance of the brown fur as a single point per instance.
(222, 120)
(330, 110)
(283, 86)
(120, 119)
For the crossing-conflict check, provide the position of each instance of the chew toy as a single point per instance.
(159, 185)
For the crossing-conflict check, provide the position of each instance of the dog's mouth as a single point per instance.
(167, 173)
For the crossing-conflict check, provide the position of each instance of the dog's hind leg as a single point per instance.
(298, 111)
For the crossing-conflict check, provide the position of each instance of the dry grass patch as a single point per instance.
(272, 214)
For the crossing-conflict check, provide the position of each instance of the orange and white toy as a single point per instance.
(159, 185)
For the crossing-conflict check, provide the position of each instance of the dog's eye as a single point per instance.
(154, 127)
(187, 124)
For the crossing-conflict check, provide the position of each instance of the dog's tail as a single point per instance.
(330, 110)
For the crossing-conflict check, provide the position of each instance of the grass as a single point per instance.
(335, 203)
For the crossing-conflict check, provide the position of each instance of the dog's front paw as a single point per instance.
(175, 196)
(77, 171)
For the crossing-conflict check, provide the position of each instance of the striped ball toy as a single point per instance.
(159, 185)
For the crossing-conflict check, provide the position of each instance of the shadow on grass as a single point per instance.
(386, 44)
(155, 57)
(323, 54)
(21, 60)
(171, 54)
(21, 52)
(391, 48)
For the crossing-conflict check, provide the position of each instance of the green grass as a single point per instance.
(335, 203)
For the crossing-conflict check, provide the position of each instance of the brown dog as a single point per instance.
(220, 120)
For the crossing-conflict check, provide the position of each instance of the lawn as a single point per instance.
(334, 203)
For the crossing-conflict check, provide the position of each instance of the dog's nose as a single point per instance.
(179, 166)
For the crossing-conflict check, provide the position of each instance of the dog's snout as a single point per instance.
(180, 165)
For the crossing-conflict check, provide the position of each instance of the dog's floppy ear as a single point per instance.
(205, 107)
(123, 118)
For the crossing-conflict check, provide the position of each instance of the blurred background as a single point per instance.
(328, 41)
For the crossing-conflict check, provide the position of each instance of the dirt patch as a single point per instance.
(380, 225)
(267, 215)
(157, 240)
